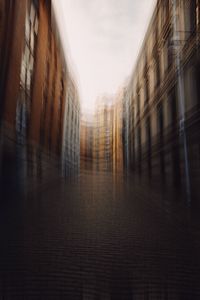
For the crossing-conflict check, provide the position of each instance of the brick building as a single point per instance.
(33, 88)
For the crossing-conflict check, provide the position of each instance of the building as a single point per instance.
(108, 143)
(71, 132)
(103, 134)
(34, 91)
(86, 144)
(118, 132)
(162, 101)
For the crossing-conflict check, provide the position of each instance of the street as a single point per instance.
(98, 237)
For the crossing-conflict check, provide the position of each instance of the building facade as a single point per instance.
(71, 132)
(161, 103)
(103, 134)
(117, 155)
(87, 144)
(34, 92)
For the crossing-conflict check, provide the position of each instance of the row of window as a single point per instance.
(162, 56)
(155, 124)
(27, 68)
(26, 82)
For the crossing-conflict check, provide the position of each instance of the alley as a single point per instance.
(98, 237)
(99, 149)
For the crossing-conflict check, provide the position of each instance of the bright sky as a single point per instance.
(102, 38)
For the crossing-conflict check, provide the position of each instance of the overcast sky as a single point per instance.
(102, 39)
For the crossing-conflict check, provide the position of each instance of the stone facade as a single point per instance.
(161, 104)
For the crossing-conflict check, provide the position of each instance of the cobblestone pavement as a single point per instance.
(99, 237)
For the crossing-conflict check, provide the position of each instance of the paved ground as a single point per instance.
(98, 237)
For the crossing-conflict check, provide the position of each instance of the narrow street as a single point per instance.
(99, 149)
(98, 237)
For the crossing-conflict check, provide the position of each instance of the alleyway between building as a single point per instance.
(99, 150)
(98, 237)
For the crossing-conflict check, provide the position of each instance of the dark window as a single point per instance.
(190, 16)
(139, 147)
(44, 103)
(157, 71)
(138, 104)
(148, 133)
(52, 109)
(172, 107)
(197, 82)
(160, 115)
(160, 119)
(60, 103)
(169, 50)
(146, 89)
(27, 67)
(148, 136)
(165, 9)
(193, 17)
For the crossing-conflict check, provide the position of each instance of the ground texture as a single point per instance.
(98, 237)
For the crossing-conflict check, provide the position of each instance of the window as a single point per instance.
(190, 16)
(44, 103)
(60, 104)
(165, 10)
(160, 119)
(168, 52)
(52, 110)
(157, 70)
(27, 67)
(160, 122)
(148, 143)
(197, 77)
(139, 147)
(148, 133)
(172, 110)
(146, 89)
(138, 104)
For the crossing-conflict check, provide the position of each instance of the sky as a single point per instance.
(102, 39)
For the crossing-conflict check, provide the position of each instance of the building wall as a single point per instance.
(103, 134)
(71, 133)
(153, 139)
(34, 87)
(86, 148)
(117, 133)
(14, 45)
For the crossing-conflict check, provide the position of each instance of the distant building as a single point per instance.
(86, 144)
(117, 156)
(108, 133)
(103, 134)
(35, 84)
(158, 112)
